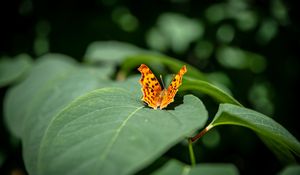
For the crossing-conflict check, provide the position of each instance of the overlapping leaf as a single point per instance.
(283, 143)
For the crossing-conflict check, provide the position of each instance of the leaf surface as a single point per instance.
(209, 89)
(110, 131)
(12, 70)
(276, 137)
(174, 167)
(290, 170)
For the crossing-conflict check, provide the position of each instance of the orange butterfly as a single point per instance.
(153, 94)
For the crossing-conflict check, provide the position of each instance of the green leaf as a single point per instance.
(19, 98)
(101, 72)
(174, 167)
(277, 138)
(55, 81)
(209, 89)
(131, 84)
(290, 170)
(173, 64)
(110, 131)
(12, 70)
(110, 51)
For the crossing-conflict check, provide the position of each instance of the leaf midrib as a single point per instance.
(114, 138)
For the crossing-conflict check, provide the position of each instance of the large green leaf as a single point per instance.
(13, 69)
(174, 167)
(273, 134)
(55, 80)
(110, 131)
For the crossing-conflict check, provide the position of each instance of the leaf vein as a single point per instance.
(114, 138)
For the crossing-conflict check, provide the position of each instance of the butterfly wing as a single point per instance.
(173, 88)
(150, 87)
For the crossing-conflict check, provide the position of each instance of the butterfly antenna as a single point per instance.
(162, 81)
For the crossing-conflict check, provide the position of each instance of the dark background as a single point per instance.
(69, 26)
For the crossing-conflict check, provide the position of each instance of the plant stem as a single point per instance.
(200, 134)
(192, 155)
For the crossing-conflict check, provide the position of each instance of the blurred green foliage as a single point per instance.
(248, 48)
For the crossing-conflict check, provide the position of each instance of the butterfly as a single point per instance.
(153, 94)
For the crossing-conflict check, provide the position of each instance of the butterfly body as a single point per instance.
(162, 95)
(153, 94)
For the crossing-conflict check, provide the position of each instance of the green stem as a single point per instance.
(192, 155)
